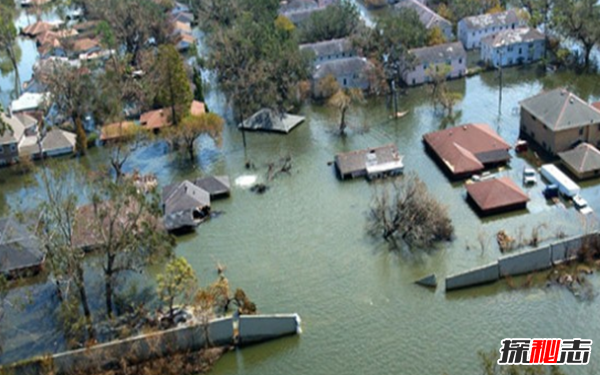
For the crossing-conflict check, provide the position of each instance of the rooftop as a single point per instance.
(328, 47)
(512, 36)
(19, 248)
(560, 109)
(27, 102)
(428, 17)
(268, 120)
(182, 196)
(58, 139)
(118, 130)
(214, 185)
(497, 193)
(347, 66)
(583, 158)
(467, 148)
(37, 28)
(155, 119)
(357, 161)
(440, 53)
(15, 133)
(494, 19)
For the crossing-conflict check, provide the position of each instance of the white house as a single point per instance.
(449, 54)
(330, 50)
(513, 47)
(29, 102)
(351, 72)
(471, 30)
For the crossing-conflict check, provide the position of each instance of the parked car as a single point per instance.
(529, 177)
(581, 205)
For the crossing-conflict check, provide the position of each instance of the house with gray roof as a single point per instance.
(216, 186)
(185, 206)
(522, 45)
(298, 11)
(56, 142)
(583, 161)
(20, 251)
(424, 59)
(428, 17)
(351, 72)
(270, 121)
(9, 141)
(329, 50)
(372, 162)
(558, 120)
(471, 30)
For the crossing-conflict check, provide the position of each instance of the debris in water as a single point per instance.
(246, 180)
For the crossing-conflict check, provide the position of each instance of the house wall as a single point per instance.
(515, 54)
(555, 142)
(334, 56)
(471, 38)
(60, 151)
(418, 75)
(9, 153)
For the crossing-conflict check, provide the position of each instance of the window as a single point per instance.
(413, 82)
(345, 82)
(510, 48)
(448, 62)
(513, 26)
(13, 147)
(425, 66)
(533, 118)
(520, 51)
(580, 131)
(460, 61)
(1, 149)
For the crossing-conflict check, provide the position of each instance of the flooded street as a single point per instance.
(301, 247)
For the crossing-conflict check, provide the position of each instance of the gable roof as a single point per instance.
(356, 161)
(85, 45)
(28, 101)
(37, 28)
(490, 20)
(428, 17)
(184, 196)
(347, 66)
(467, 148)
(155, 119)
(583, 158)
(328, 47)
(214, 185)
(439, 53)
(268, 120)
(19, 248)
(58, 139)
(512, 36)
(560, 109)
(496, 193)
(15, 133)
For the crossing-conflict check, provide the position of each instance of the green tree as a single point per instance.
(435, 36)
(177, 282)
(171, 82)
(336, 21)
(440, 93)
(3, 125)
(81, 138)
(10, 52)
(192, 127)
(578, 19)
(198, 86)
(343, 101)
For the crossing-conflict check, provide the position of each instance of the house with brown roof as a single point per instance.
(160, 118)
(37, 28)
(467, 149)
(373, 162)
(558, 120)
(583, 161)
(496, 195)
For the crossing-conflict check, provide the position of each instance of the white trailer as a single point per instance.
(565, 185)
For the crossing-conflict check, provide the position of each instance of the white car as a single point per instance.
(581, 205)
(529, 177)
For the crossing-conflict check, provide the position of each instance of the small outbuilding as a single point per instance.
(467, 149)
(216, 186)
(583, 161)
(185, 206)
(269, 120)
(371, 162)
(496, 195)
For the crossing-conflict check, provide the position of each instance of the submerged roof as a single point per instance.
(583, 158)
(467, 148)
(440, 53)
(560, 109)
(355, 161)
(155, 119)
(38, 28)
(346, 66)
(19, 248)
(494, 19)
(268, 120)
(183, 196)
(428, 17)
(214, 185)
(15, 133)
(512, 36)
(496, 193)
(58, 139)
(328, 47)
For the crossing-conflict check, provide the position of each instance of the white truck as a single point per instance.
(566, 186)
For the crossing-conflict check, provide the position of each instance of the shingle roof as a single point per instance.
(183, 196)
(328, 47)
(58, 139)
(347, 66)
(214, 185)
(465, 149)
(14, 134)
(496, 193)
(19, 248)
(439, 53)
(37, 28)
(155, 119)
(512, 36)
(495, 19)
(560, 109)
(268, 120)
(428, 17)
(355, 161)
(583, 158)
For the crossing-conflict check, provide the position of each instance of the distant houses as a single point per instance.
(465, 150)
(372, 163)
(299, 11)
(428, 17)
(330, 50)
(558, 120)
(452, 55)
(583, 161)
(271, 121)
(471, 30)
(513, 47)
(496, 195)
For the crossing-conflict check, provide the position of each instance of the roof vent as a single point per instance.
(571, 100)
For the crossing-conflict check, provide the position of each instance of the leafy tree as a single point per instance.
(9, 50)
(192, 127)
(177, 282)
(327, 86)
(81, 138)
(435, 36)
(3, 125)
(245, 306)
(409, 215)
(578, 19)
(198, 86)
(336, 21)
(440, 93)
(171, 82)
(343, 101)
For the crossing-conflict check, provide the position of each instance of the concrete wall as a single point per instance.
(254, 329)
(529, 261)
(476, 276)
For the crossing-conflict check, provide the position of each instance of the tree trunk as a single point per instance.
(191, 151)
(84, 302)
(343, 122)
(108, 283)
(588, 50)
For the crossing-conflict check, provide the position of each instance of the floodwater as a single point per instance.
(301, 247)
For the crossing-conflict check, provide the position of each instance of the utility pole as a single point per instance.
(500, 91)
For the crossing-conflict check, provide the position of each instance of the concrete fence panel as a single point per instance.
(254, 329)
(480, 275)
(529, 261)
(220, 332)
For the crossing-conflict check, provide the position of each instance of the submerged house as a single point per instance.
(583, 161)
(558, 120)
(467, 149)
(350, 72)
(20, 251)
(269, 120)
(185, 206)
(10, 139)
(471, 30)
(428, 17)
(330, 50)
(216, 186)
(452, 55)
(523, 45)
(496, 195)
(373, 162)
